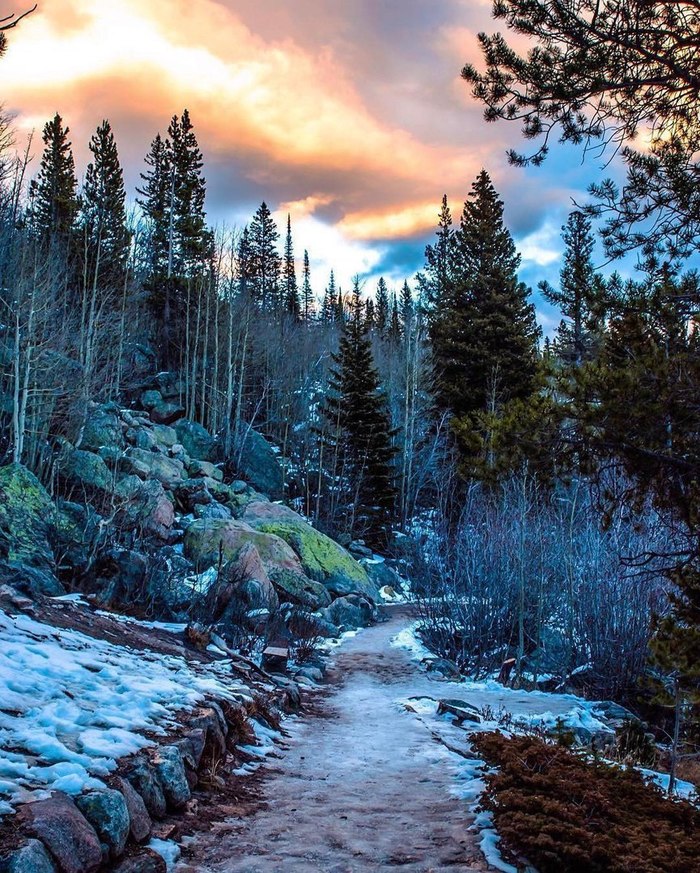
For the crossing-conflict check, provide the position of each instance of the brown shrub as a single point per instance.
(566, 813)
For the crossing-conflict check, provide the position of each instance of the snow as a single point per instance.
(683, 789)
(168, 851)
(408, 640)
(71, 705)
(170, 627)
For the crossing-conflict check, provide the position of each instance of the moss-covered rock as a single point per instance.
(299, 589)
(26, 513)
(208, 540)
(322, 559)
(154, 465)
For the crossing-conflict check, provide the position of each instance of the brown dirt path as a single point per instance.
(360, 786)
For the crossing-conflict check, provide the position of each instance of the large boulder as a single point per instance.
(299, 589)
(32, 857)
(209, 540)
(65, 832)
(153, 465)
(170, 770)
(146, 506)
(139, 820)
(351, 612)
(197, 441)
(322, 559)
(107, 812)
(75, 537)
(102, 429)
(84, 470)
(258, 464)
(26, 511)
(146, 783)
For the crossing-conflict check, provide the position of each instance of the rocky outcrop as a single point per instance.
(258, 464)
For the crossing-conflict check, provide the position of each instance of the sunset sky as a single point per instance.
(349, 114)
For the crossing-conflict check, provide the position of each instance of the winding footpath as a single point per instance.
(362, 785)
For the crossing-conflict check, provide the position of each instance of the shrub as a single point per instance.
(566, 813)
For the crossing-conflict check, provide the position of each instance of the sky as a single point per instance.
(350, 115)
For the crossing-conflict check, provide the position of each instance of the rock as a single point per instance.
(351, 611)
(322, 559)
(170, 385)
(381, 574)
(447, 669)
(25, 519)
(75, 537)
(612, 711)
(151, 398)
(30, 580)
(102, 429)
(212, 511)
(208, 539)
(311, 673)
(107, 812)
(64, 831)
(32, 857)
(258, 464)
(296, 588)
(146, 861)
(150, 509)
(167, 412)
(139, 819)
(84, 470)
(238, 486)
(462, 711)
(205, 468)
(207, 720)
(144, 780)
(359, 549)
(192, 493)
(144, 439)
(153, 465)
(164, 435)
(274, 659)
(170, 770)
(197, 442)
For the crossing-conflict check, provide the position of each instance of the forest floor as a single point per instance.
(369, 779)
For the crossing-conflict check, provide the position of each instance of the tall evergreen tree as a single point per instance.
(104, 211)
(266, 263)
(381, 308)
(359, 428)
(369, 313)
(407, 308)
(307, 294)
(483, 331)
(581, 293)
(291, 288)
(155, 201)
(53, 194)
(439, 258)
(394, 332)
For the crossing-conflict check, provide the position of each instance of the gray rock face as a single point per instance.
(167, 412)
(30, 858)
(139, 819)
(102, 429)
(30, 580)
(65, 832)
(352, 611)
(170, 770)
(153, 465)
(197, 442)
(107, 812)
(84, 469)
(258, 465)
(144, 780)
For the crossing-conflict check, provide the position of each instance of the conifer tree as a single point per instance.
(439, 259)
(340, 311)
(291, 288)
(330, 301)
(369, 313)
(359, 429)
(394, 332)
(307, 294)
(483, 330)
(381, 308)
(155, 201)
(581, 294)
(407, 308)
(104, 211)
(266, 263)
(54, 201)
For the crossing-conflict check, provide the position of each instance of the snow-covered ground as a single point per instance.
(71, 705)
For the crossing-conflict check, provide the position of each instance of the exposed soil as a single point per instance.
(360, 784)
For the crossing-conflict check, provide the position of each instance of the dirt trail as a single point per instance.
(360, 787)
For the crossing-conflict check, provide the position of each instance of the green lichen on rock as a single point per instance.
(207, 540)
(26, 511)
(299, 589)
(322, 559)
(84, 469)
(102, 429)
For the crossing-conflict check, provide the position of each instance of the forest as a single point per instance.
(540, 492)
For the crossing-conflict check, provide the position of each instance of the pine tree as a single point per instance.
(369, 313)
(266, 263)
(407, 308)
(483, 330)
(307, 294)
(581, 296)
(155, 203)
(381, 308)
(54, 201)
(331, 312)
(291, 288)
(104, 211)
(394, 333)
(191, 239)
(440, 259)
(359, 429)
